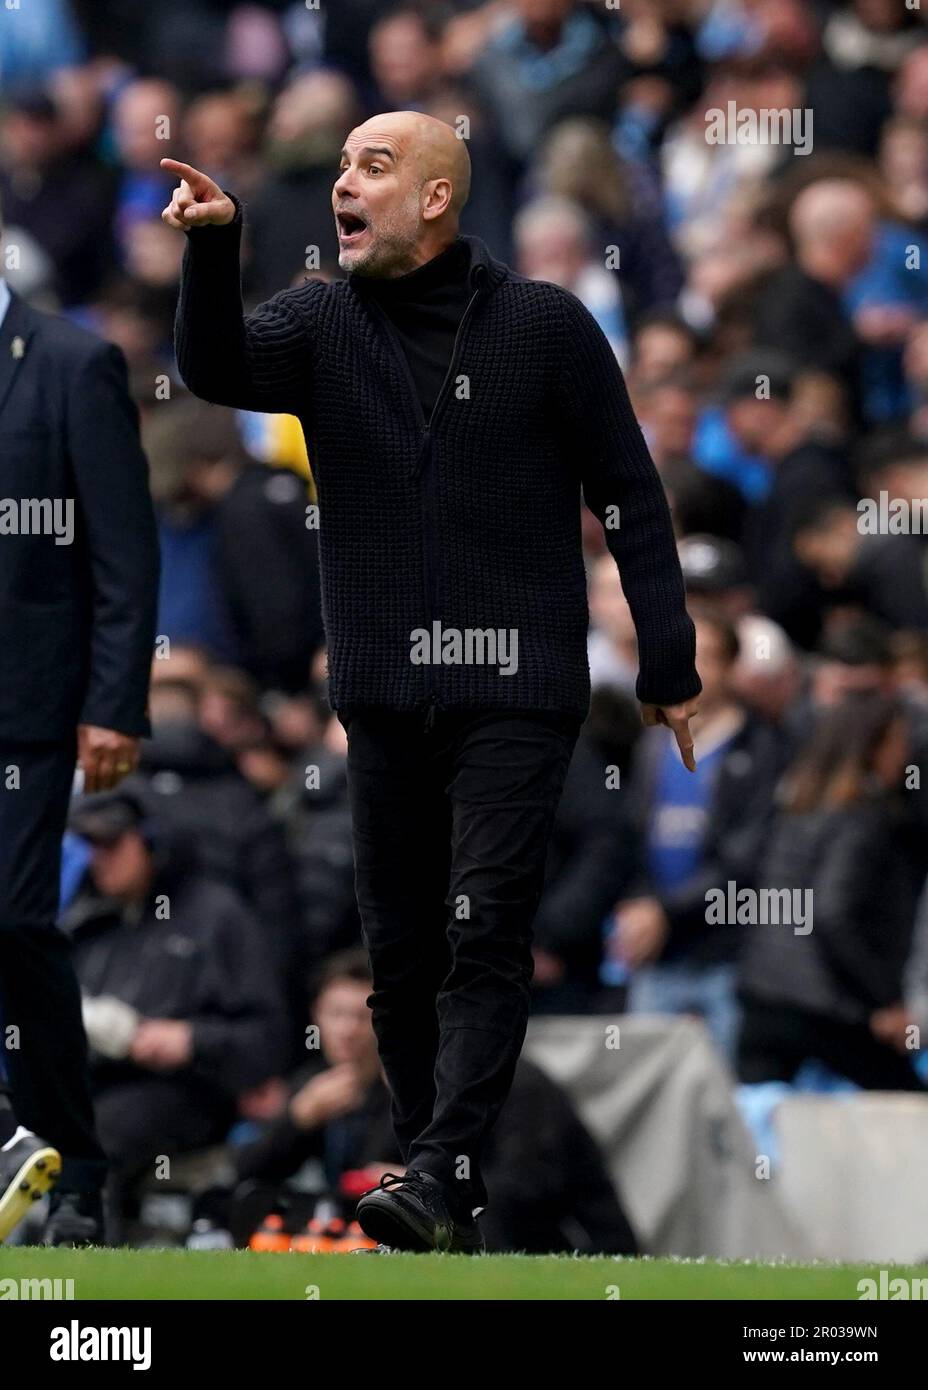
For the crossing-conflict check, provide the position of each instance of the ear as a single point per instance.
(437, 199)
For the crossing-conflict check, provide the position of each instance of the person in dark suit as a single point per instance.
(78, 592)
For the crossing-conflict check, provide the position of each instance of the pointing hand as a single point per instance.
(197, 201)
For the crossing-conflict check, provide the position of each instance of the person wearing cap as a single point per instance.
(58, 198)
(78, 591)
(181, 996)
(715, 575)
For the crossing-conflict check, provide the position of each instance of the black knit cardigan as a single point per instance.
(469, 521)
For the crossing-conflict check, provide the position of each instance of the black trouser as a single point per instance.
(776, 1039)
(451, 826)
(44, 1054)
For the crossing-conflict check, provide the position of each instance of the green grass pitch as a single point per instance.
(179, 1274)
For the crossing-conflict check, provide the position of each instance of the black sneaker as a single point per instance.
(28, 1168)
(411, 1212)
(75, 1218)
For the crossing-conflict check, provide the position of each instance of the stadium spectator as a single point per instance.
(182, 1006)
(758, 392)
(885, 574)
(697, 835)
(849, 89)
(61, 197)
(241, 571)
(702, 179)
(659, 72)
(715, 576)
(145, 118)
(768, 676)
(622, 198)
(612, 648)
(553, 58)
(802, 312)
(661, 343)
(405, 59)
(196, 789)
(554, 241)
(813, 990)
(230, 708)
(221, 129)
(699, 502)
(291, 228)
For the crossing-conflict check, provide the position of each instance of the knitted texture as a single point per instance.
(473, 523)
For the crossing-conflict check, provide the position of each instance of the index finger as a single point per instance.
(681, 732)
(185, 171)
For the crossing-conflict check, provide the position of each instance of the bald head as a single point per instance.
(405, 178)
(440, 154)
(832, 225)
(822, 209)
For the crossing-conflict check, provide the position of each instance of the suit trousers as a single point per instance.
(452, 813)
(43, 1057)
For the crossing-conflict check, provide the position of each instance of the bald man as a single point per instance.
(452, 411)
(802, 311)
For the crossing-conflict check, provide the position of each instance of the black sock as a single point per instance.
(8, 1124)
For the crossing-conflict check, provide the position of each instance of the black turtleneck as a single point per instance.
(425, 308)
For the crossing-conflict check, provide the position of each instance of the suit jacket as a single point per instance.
(77, 607)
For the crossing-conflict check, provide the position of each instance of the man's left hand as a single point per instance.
(105, 756)
(677, 718)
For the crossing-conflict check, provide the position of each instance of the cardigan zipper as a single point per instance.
(425, 475)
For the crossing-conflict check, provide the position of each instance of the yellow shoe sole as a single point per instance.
(38, 1174)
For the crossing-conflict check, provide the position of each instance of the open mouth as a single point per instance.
(351, 228)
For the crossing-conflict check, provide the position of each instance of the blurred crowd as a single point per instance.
(767, 302)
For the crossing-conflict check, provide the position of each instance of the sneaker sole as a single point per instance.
(382, 1220)
(37, 1176)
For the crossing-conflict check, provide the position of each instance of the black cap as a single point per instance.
(103, 817)
(711, 564)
